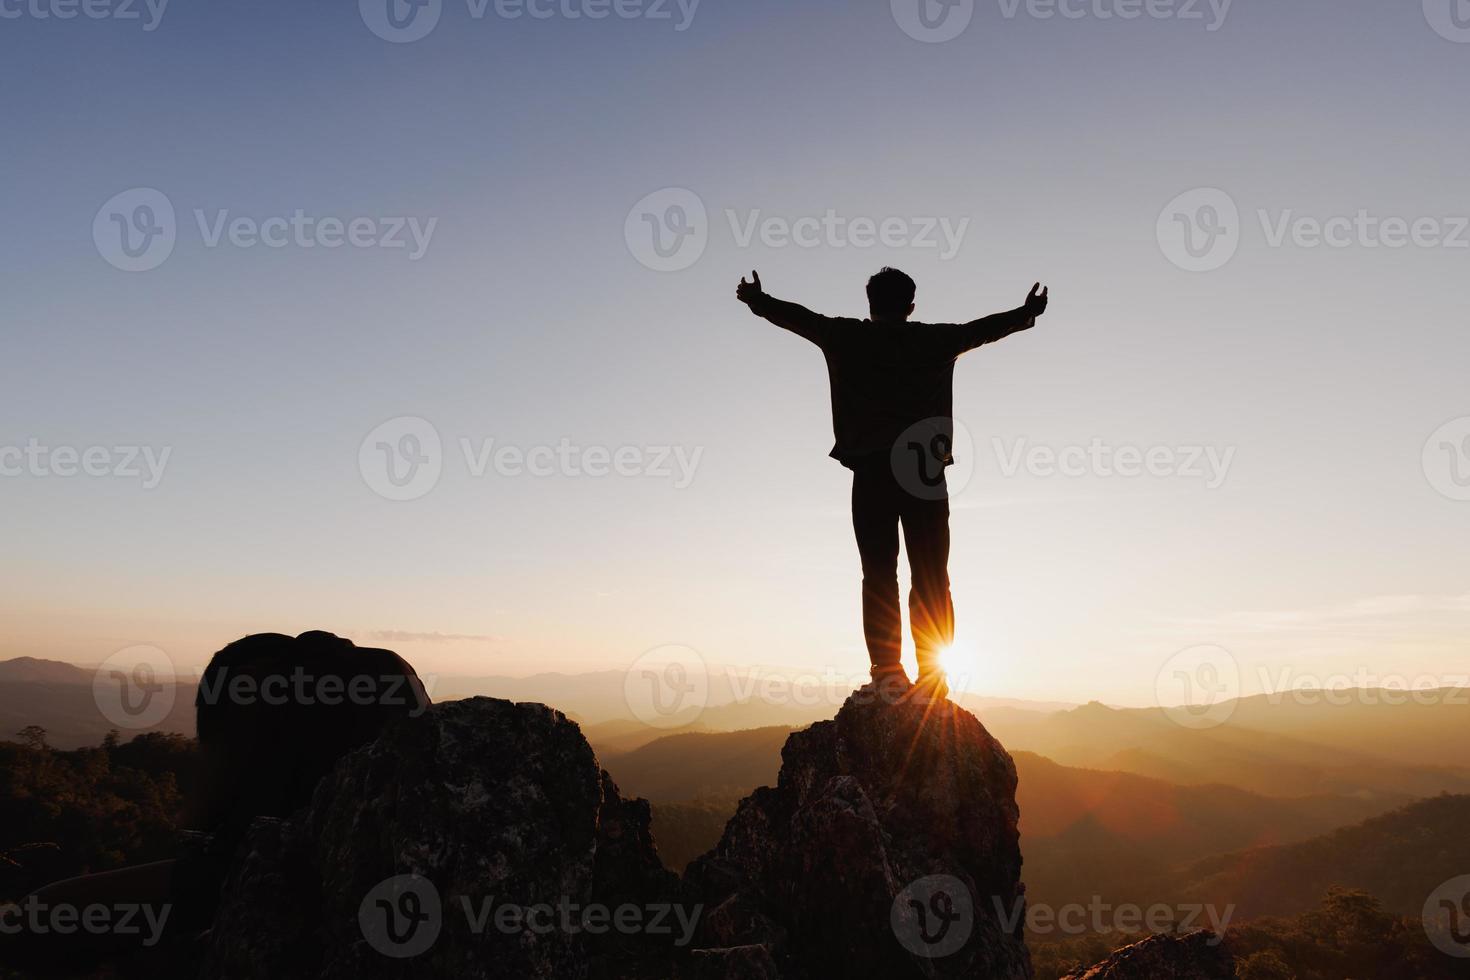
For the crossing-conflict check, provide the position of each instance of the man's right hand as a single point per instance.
(1036, 302)
(749, 292)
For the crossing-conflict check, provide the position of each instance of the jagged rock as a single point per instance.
(1196, 956)
(470, 807)
(888, 848)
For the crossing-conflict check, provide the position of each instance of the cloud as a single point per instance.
(1357, 616)
(406, 636)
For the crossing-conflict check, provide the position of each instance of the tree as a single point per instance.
(34, 736)
(1265, 965)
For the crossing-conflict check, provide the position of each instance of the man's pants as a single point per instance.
(880, 504)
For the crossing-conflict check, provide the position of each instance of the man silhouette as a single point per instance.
(892, 386)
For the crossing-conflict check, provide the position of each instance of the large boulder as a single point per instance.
(1195, 956)
(470, 842)
(887, 849)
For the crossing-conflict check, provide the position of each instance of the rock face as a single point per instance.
(474, 840)
(888, 848)
(1197, 956)
(415, 845)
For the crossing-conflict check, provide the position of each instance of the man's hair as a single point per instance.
(890, 293)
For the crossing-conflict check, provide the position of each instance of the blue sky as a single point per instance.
(524, 143)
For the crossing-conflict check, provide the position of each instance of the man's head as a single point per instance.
(890, 295)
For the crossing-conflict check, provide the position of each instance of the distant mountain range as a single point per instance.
(58, 697)
(1085, 832)
(1288, 797)
(1399, 857)
(1366, 747)
(1382, 746)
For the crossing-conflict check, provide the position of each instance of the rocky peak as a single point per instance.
(888, 848)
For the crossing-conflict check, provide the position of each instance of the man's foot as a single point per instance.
(890, 683)
(930, 687)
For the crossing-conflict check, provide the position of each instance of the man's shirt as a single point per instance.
(888, 377)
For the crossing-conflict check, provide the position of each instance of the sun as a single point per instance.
(960, 665)
(968, 670)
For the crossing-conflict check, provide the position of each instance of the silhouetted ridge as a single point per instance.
(1196, 956)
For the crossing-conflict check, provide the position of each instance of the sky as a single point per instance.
(255, 253)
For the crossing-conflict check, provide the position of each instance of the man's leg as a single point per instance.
(875, 519)
(931, 609)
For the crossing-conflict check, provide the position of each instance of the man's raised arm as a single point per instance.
(992, 328)
(789, 316)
